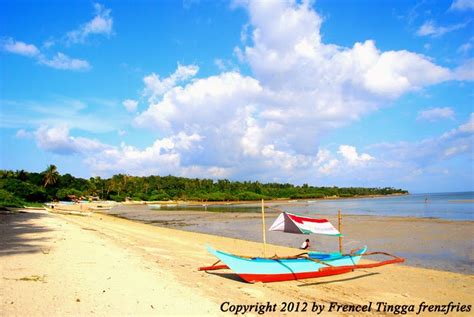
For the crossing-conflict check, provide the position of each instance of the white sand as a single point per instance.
(102, 265)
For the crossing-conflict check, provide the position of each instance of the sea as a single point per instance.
(448, 206)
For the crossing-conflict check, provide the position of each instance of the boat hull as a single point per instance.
(276, 270)
(267, 278)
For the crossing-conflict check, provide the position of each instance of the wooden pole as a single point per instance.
(263, 231)
(339, 227)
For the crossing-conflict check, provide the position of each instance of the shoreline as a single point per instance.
(117, 266)
(250, 202)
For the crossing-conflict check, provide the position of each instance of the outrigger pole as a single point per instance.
(263, 231)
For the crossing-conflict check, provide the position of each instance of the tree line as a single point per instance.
(20, 188)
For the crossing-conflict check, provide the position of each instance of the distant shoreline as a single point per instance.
(271, 201)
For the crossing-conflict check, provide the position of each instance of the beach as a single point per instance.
(101, 265)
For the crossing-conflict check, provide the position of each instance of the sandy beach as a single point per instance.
(60, 265)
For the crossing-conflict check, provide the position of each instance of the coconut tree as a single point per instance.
(51, 175)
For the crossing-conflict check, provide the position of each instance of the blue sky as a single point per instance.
(343, 93)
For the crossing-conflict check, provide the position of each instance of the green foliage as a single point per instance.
(28, 187)
(64, 193)
(118, 198)
(23, 190)
(249, 196)
(9, 200)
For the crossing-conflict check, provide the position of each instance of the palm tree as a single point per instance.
(51, 175)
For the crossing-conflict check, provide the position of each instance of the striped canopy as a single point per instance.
(291, 223)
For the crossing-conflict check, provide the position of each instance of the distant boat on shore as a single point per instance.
(80, 208)
(66, 210)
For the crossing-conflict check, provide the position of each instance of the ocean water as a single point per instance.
(449, 206)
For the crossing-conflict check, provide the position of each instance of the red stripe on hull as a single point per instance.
(265, 278)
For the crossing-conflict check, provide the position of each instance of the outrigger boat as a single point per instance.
(301, 266)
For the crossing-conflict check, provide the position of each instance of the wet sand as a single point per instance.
(101, 265)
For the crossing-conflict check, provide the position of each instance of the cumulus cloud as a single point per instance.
(64, 62)
(429, 28)
(102, 23)
(434, 114)
(56, 139)
(164, 156)
(156, 87)
(328, 167)
(288, 54)
(462, 5)
(21, 48)
(352, 157)
(130, 104)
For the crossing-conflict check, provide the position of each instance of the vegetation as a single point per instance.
(20, 188)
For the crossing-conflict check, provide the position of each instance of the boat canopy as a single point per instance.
(292, 223)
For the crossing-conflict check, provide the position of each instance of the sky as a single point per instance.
(328, 93)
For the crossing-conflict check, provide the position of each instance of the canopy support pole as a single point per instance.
(339, 228)
(263, 231)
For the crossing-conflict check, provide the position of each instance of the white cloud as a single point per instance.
(163, 157)
(429, 28)
(48, 43)
(130, 104)
(467, 127)
(59, 61)
(220, 64)
(434, 114)
(102, 23)
(57, 140)
(21, 48)
(465, 71)
(323, 156)
(64, 62)
(156, 87)
(329, 167)
(430, 151)
(198, 103)
(462, 5)
(225, 65)
(23, 134)
(466, 47)
(288, 55)
(349, 153)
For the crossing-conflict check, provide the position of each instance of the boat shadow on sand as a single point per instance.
(304, 283)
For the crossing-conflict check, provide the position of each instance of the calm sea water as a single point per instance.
(450, 206)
